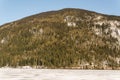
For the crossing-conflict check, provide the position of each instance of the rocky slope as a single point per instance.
(68, 38)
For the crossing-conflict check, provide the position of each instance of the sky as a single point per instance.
(11, 10)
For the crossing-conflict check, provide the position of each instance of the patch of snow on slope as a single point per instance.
(100, 23)
(4, 40)
(98, 17)
(98, 31)
(71, 24)
(115, 32)
(114, 23)
(111, 23)
(70, 20)
(41, 31)
(111, 29)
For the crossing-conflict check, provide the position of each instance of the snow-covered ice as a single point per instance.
(58, 74)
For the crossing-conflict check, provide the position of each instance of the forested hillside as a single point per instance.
(67, 38)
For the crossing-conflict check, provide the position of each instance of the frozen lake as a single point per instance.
(58, 74)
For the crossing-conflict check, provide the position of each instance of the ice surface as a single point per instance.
(58, 74)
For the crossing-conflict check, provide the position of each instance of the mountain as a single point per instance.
(67, 38)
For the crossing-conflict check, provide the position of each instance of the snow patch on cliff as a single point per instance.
(3, 41)
(71, 24)
(70, 20)
(98, 17)
(111, 28)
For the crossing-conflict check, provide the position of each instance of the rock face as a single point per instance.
(68, 38)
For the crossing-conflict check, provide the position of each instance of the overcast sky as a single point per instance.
(11, 10)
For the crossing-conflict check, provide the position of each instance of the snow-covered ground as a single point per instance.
(58, 74)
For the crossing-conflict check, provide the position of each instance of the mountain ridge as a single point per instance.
(60, 10)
